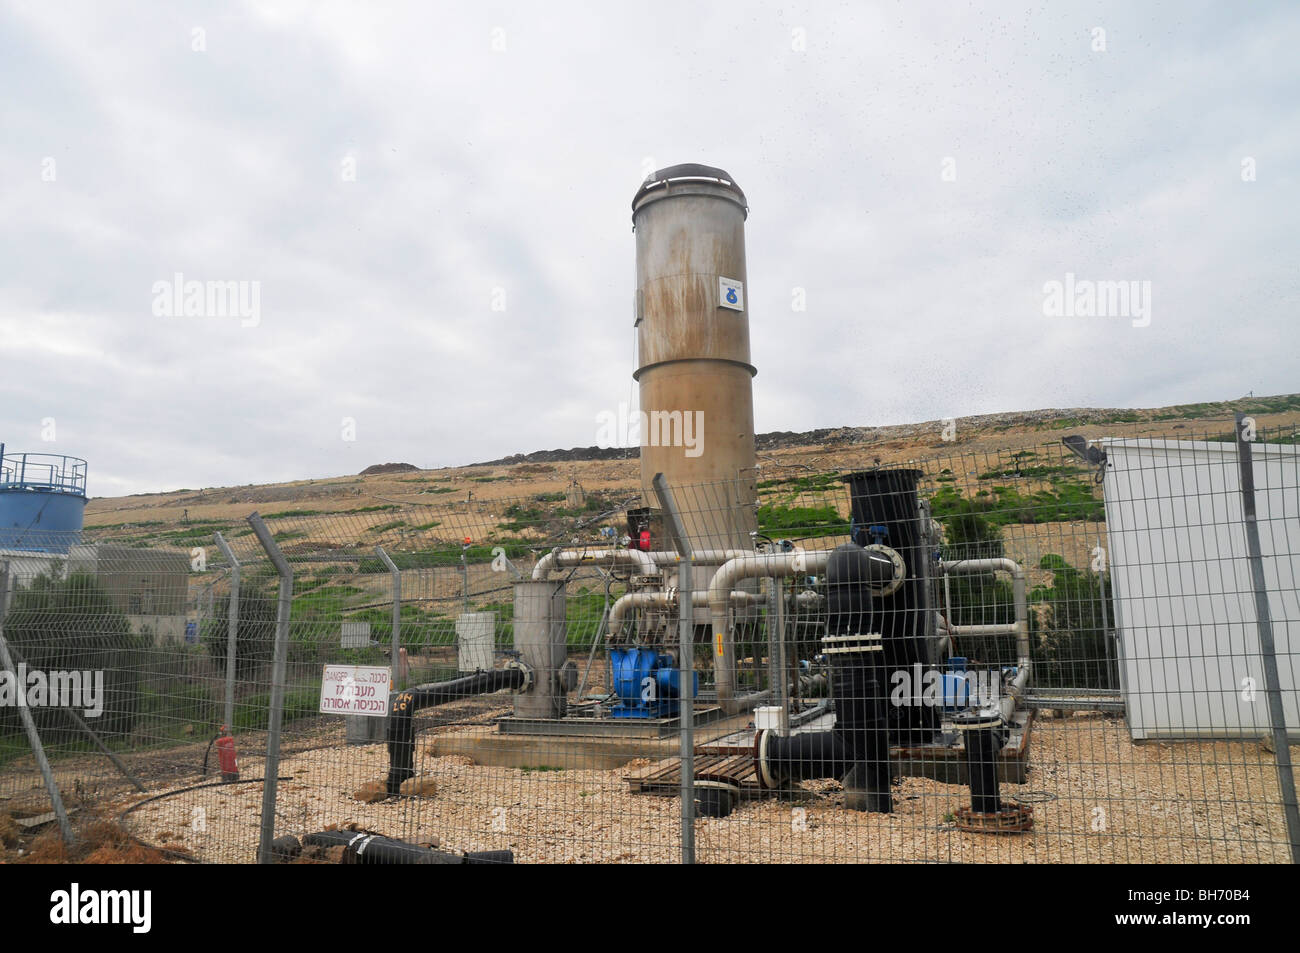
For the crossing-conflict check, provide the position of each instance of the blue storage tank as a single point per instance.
(42, 501)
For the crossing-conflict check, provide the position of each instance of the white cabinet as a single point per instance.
(1184, 603)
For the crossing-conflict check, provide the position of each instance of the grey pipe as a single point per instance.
(647, 562)
(724, 580)
(667, 599)
(1020, 628)
(559, 558)
(753, 567)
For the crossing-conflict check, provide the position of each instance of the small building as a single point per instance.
(149, 586)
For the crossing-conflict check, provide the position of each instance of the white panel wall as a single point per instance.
(1184, 603)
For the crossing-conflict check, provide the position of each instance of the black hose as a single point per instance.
(403, 706)
(363, 848)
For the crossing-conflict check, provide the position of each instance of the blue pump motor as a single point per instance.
(647, 683)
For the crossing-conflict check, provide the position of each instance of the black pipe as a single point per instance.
(801, 757)
(403, 706)
(888, 499)
(858, 746)
(363, 848)
(983, 738)
(856, 750)
(862, 715)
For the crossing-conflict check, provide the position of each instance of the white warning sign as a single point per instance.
(355, 690)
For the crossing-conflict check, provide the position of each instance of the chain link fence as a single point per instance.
(1065, 653)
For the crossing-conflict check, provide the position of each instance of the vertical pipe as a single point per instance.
(29, 725)
(776, 648)
(770, 629)
(947, 601)
(233, 632)
(979, 732)
(1105, 616)
(686, 704)
(685, 661)
(600, 637)
(271, 773)
(395, 667)
(464, 577)
(1264, 622)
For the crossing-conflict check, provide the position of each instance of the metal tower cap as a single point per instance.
(689, 172)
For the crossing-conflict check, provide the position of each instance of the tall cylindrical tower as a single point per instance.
(42, 501)
(693, 361)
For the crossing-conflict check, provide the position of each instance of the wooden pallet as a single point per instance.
(665, 777)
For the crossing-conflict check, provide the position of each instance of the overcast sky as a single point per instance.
(388, 173)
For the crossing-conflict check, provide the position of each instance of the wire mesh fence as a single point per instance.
(1074, 653)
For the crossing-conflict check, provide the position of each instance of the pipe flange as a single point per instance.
(977, 721)
(1012, 819)
(527, 671)
(764, 776)
(852, 644)
(900, 571)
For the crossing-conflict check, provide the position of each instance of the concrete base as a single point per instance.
(487, 746)
(608, 727)
(363, 730)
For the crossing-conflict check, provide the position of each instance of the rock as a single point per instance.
(389, 468)
(419, 787)
(372, 791)
(285, 848)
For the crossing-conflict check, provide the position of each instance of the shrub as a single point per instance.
(72, 625)
(254, 636)
(1070, 638)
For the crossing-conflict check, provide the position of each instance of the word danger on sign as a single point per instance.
(354, 690)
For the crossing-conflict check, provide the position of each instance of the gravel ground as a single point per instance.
(1097, 799)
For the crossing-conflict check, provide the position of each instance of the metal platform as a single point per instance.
(1065, 699)
(731, 758)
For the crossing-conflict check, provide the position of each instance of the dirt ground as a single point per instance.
(1097, 798)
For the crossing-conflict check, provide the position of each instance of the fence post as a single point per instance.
(29, 725)
(395, 667)
(685, 662)
(1264, 622)
(271, 773)
(231, 639)
(1109, 682)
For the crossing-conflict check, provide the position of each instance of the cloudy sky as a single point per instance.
(432, 204)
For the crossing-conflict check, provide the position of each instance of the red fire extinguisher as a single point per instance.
(226, 756)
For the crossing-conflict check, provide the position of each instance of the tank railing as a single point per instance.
(43, 471)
